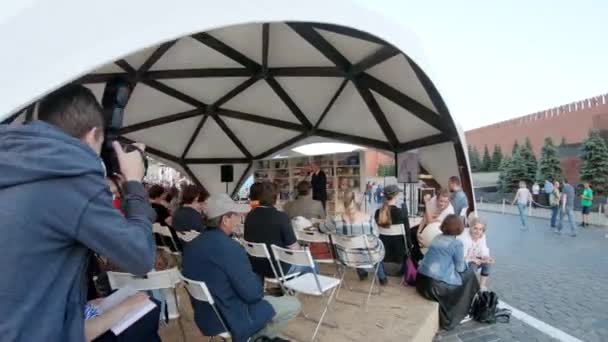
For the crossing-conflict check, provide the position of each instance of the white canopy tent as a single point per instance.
(235, 81)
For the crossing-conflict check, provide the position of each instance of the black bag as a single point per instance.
(484, 307)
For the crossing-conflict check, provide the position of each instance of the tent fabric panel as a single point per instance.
(210, 176)
(207, 90)
(245, 38)
(258, 138)
(170, 138)
(287, 49)
(147, 103)
(440, 161)
(352, 48)
(212, 142)
(188, 53)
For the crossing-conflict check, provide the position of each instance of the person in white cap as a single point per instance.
(220, 262)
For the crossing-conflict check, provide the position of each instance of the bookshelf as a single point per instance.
(344, 171)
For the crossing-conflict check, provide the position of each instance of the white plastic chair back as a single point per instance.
(154, 280)
(199, 291)
(188, 236)
(301, 257)
(311, 236)
(256, 249)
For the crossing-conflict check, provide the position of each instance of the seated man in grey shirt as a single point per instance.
(304, 205)
(459, 198)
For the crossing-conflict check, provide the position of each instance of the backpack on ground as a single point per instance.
(484, 307)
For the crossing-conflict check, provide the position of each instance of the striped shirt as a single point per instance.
(353, 257)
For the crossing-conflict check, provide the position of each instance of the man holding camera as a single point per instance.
(55, 208)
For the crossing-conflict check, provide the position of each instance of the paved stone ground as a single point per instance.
(559, 280)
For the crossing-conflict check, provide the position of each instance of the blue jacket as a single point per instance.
(222, 264)
(444, 261)
(55, 206)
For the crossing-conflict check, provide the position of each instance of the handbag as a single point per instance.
(409, 272)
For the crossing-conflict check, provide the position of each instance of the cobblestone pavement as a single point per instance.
(560, 280)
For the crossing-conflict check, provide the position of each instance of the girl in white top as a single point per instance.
(522, 197)
(476, 251)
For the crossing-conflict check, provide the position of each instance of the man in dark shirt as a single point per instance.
(265, 224)
(189, 215)
(318, 180)
(162, 213)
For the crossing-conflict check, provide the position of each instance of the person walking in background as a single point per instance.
(368, 191)
(548, 189)
(379, 194)
(458, 198)
(318, 180)
(586, 203)
(522, 198)
(535, 194)
(554, 197)
(567, 208)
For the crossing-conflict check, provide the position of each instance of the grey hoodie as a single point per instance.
(55, 207)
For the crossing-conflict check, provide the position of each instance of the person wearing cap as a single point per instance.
(222, 263)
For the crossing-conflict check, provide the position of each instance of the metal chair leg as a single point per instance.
(371, 288)
(329, 300)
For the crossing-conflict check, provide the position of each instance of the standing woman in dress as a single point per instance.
(318, 180)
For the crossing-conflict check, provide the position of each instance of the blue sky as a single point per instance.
(503, 59)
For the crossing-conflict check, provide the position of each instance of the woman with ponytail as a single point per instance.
(388, 216)
(354, 222)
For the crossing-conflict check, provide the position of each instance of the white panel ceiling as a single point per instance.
(171, 138)
(350, 115)
(207, 90)
(137, 59)
(97, 89)
(287, 49)
(352, 48)
(260, 99)
(212, 142)
(258, 138)
(209, 175)
(188, 53)
(147, 103)
(406, 125)
(440, 161)
(311, 94)
(108, 68)
(398, 73)
(244, 38)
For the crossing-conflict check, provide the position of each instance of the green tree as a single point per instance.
(474, 161)
(514, 149)
(504, 177)
(594, 157)
(549, 167)
(486, 162)
(528, 162)
(496, 158)
(386, 170)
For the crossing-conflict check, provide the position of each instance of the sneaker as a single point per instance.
(555, 231)
(383, 281)
(572, 235)
(362, 277)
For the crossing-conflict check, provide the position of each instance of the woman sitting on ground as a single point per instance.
(354, 222)
(476, 251)
(443, 275)
(387, 217)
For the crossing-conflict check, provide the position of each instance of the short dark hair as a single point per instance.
(452, 225)
(455, 180)
(268, 194)
(193, 193)
(74, 109)
(303, 188)
(254, 191)
(156, 191)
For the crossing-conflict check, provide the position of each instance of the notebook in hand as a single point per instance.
(135, 314)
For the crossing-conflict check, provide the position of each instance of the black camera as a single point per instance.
(114, 100)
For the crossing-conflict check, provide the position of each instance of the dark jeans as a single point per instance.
(554, 212)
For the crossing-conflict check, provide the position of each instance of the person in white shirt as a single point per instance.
(437, 209)
(476, 251)
(522, 197)
(535, 193)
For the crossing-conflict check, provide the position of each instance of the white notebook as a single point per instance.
(135, 314)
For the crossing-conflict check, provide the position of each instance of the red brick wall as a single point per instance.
(572, 121)
(373, 159)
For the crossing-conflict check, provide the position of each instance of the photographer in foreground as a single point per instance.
(55, 207)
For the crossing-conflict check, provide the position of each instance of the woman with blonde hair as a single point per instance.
(354, 222)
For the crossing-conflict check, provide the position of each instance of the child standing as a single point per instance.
(476, 251)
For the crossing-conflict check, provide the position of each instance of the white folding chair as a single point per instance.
(199, 291)
(355, 252)
(188, 235)
(259, 250)
(309, 283)
(165, 281)
(308, 237)
(166, 235)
